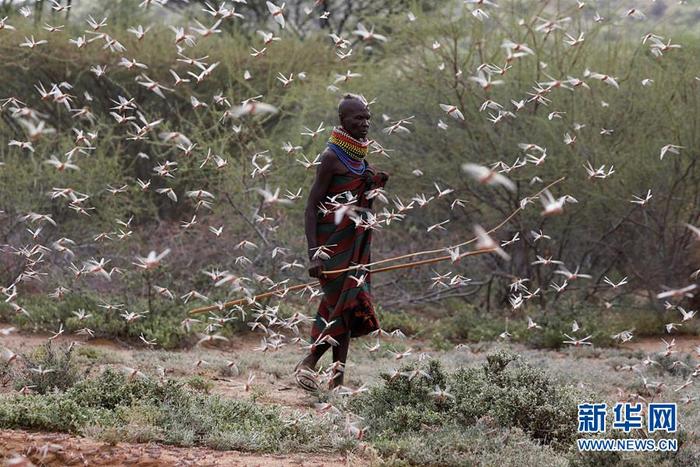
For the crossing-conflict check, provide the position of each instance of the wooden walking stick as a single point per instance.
(384, 269)
(430, 252)
(413, 264)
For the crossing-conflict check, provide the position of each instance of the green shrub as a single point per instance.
(93, 355)
(518, 394)
(668, 364)
(47, 315)
(111, 390)
(467, 323)
(162, 324)
(47, 368)
(5, 373)
(481, 444)
(114, 408)
(439, 342)
(403, 417)
(200, 383)
(409, 324)
(48, 412)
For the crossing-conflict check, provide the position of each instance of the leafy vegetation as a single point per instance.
(48, 368)
(600, 236)
(111, 407)
(78, 312)
(506, 407)
(506, 390)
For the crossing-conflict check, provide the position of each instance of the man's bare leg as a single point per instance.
(311, 360)
(340, 355)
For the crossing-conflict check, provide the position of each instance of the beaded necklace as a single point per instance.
(354, 148)
(354, 166)
(349, 150)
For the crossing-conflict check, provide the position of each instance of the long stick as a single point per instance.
(388, 268)
(430, 252)
(413, 264)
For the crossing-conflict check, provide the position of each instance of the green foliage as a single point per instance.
(518, 394)
(678, 365)
(47, 368)
(439, 342)
(90, 355)
(116, 409)
(480, 444)
(403, 412)
(409, 324)
(112, 389)
(49, 412)
(468, 323)
(200, 383)
(46, 315)
(6, 373)
(406, 65)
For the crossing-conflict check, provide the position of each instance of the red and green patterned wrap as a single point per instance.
(343, 301)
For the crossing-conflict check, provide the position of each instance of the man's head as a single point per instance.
(354, 115)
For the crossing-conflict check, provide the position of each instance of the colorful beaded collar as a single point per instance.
(354, 148)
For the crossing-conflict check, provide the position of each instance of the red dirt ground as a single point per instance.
(58, 449)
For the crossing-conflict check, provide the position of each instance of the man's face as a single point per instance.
(355, 119)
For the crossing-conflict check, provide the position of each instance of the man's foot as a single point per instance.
(305, 374)
(307, 380)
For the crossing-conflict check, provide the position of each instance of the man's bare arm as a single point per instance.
(324, 173)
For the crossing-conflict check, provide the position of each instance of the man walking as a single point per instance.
(339, 232)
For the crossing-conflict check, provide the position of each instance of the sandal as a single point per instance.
(307, 380)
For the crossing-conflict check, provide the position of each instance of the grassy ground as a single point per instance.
(272, 398)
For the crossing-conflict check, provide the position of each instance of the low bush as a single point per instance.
(47, 368)
(404, 414)
(113, 408)
(161, 324)
(468, 323)
(200, 383)
(505, 411)
(5, 373)
(481, 444)
(409, 324)
(681, 364)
